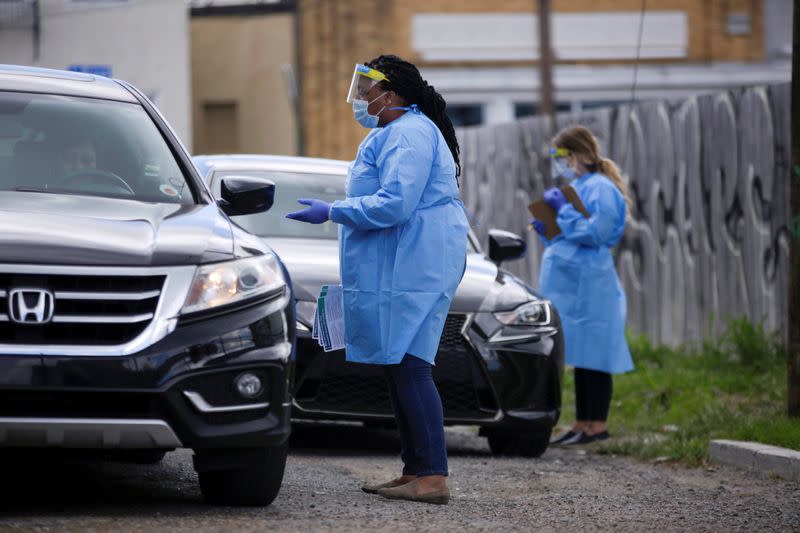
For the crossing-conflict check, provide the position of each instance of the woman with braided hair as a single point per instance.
(403, 243)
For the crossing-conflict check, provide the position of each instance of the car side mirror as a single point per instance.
(246, 195)
(504, 246)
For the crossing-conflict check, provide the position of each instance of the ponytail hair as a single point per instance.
(580, 141)
(406, 81)
(610, 170)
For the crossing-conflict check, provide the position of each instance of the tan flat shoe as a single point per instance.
(408, 492)
(374, 488)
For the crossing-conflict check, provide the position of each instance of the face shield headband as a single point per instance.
(364, 79)
(559, 170)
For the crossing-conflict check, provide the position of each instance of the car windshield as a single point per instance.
(289, 186)
(71, 145)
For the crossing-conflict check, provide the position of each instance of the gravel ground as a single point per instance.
(565, 490)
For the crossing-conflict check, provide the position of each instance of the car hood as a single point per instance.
(84, 230)
(315, 262)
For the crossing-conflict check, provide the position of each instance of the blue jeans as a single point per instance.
(418, 413)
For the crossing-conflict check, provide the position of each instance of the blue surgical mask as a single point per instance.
(362, 115)
(562, 170)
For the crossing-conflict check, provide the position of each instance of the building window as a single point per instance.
(220, 127)
(594, 104)
(529, 109)
(738, 23)
(465, 114)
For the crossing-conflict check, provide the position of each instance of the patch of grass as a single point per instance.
(678, 399)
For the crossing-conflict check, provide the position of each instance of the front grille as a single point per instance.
(361, 389)
(87, 309)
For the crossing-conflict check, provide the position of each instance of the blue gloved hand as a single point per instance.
(539, 226)
(554, 198)
(317, 212)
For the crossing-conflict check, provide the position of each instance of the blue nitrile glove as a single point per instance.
(317, 212)
(539, 226)
(554, 198)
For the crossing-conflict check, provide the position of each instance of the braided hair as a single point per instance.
(406, 81)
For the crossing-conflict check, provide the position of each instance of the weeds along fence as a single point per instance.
(709, 176)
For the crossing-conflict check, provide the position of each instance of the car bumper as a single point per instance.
(510, 385)
(179, 392)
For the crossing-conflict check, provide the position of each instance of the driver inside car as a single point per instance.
(75, 169)
(77, 154)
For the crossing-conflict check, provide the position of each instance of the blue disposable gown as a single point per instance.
(579, 277)
(402, 242)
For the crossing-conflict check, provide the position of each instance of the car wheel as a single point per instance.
(255, 484)
(530, 444)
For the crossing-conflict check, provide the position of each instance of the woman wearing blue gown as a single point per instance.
(578, 275)
(402, 247)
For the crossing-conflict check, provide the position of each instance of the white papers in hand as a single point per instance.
(334, 314)
(329, 318)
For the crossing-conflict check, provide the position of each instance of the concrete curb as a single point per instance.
(757, 457)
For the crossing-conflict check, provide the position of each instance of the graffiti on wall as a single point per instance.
(709, 232)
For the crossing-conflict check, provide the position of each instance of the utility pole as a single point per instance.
(545, 64)
(793, 352)
(37, 29)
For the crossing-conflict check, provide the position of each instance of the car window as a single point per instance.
(71, 145)
(289, 186)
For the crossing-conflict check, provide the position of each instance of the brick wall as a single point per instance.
(334, 35)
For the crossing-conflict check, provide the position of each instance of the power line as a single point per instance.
(628, 134)
(638, 52)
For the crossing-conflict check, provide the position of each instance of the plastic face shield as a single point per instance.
(364, 79)
(558, 163)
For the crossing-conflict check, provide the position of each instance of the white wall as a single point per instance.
(515, 36)
(145, 42)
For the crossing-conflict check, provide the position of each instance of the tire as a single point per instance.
(531, 444)
(256, 484)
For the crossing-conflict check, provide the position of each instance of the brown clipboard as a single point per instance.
(541, 211)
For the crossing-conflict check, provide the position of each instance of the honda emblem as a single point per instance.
(31, 306)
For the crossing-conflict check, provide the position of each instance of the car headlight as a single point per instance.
(530, 314)
(233, 281)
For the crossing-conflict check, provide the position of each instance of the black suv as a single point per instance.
(135, 318)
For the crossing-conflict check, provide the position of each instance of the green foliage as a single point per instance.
(750, 345)
(677, 399)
